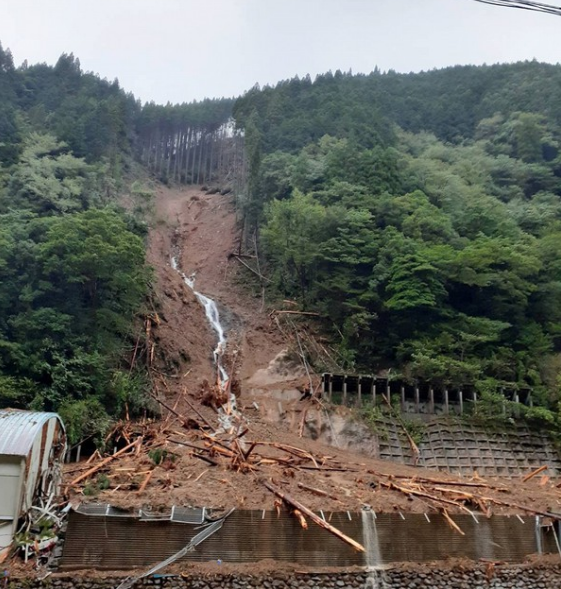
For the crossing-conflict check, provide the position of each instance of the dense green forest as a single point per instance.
(72, 272)
(73, 279)
(418, 214)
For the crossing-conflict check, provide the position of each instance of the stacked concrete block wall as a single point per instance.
(461, 447)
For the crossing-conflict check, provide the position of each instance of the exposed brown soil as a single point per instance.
(202, 231)
(191, 482)
(21, 570)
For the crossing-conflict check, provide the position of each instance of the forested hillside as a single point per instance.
(420, 216)
(72, 270)
(72, 273)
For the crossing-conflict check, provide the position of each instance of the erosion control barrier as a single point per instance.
(421, 397)
(125, 542)
(459, 447)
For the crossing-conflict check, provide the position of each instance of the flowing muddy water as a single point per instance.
(229, 410)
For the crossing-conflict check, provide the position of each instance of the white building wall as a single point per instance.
(11, 475)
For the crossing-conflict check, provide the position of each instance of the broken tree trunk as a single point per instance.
(452, 523)
(258, 274)
(145, 482)
(534, 473)
(315, 518)
(104, 462)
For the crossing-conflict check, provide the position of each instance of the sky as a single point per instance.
(184, 50)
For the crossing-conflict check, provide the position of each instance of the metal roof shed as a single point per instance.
(32, 448)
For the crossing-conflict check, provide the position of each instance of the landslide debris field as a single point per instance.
(207, 450)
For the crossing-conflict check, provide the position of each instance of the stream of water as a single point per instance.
(376, 576)
(213, 316)
(228, 413)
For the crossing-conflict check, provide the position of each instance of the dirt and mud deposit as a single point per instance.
(202, 232)
(327, 460)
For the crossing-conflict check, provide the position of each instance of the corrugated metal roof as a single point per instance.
(18, 430)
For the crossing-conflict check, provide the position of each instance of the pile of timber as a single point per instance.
(272, 463)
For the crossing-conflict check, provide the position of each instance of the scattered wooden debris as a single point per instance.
(232, 448)
(104, 462)
(315, 518)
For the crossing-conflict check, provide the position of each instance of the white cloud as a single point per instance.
(180, 50)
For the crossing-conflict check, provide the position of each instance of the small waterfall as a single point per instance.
(211, 312)
(374, 565)
(228, 413)
(485, 546)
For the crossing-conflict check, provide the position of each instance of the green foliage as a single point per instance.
(159, 456)
(46, 180)
(416, 429)
(140, 190)
(84, 418)
(418, 214)
(72, 270)
(428, 239)
(374, 418)
(70, 287)
(103, 482)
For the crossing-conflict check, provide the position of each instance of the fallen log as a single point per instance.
(315, 518)
(214, 441)
(417, 493)
(457, 492)
(205, 459)
(555, 516)
(313, 490)
(318, 492)
(462, 484)
(328, 468)
(185, 422)
(145, 482)
(188, 445)
(201, 416)
(430, 481)
(298, 452)
(452, 523)
(249, 451)
(259, 275)
(107, 460)
(478, 499)
(535, 473)
(166, 420)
